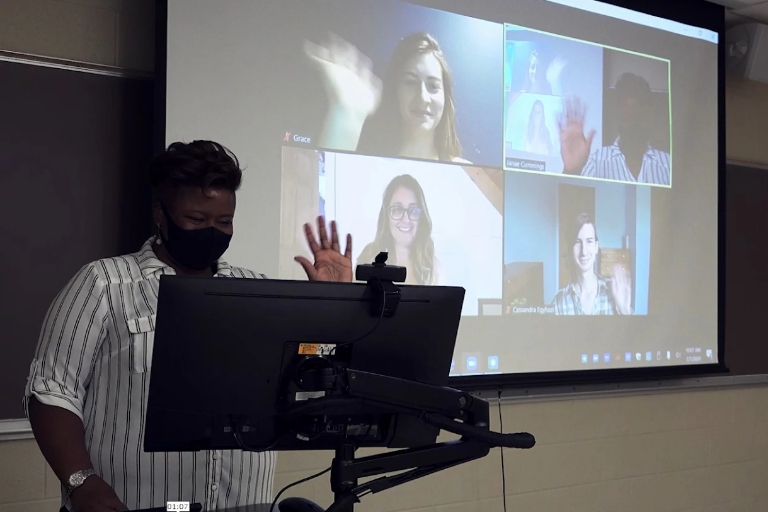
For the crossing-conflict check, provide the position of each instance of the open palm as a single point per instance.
(347, 74)
(621, 290)
(554, 71)
(574, 145)
(330, 264)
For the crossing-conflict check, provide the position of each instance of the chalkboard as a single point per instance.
(746, 270)
(74, 154)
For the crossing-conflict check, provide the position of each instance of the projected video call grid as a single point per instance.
(517, 164)
(519, 209)
(422, 83)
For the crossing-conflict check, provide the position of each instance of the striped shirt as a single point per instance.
(567, 301)
(608, 163)
(94, 358)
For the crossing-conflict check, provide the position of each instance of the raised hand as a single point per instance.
(621, 290)
(574, 145)
(347, 75)
(554, 70)
(330, 264)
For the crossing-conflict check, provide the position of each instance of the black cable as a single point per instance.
(301, 436)
(277, 498)
(501, 451)
(243, 446)
(372, 330)
(367, 433)
(298, 482)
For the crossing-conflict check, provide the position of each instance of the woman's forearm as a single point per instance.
(341, 130)
(61, 437)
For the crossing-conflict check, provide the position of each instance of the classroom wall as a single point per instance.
(702, 451)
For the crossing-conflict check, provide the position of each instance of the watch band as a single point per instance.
(77, 479)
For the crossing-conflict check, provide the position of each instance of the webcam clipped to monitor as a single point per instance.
(227, 353)
(292, 365)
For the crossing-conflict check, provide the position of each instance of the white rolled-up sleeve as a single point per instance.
(72, 334)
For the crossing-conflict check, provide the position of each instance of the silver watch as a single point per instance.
(77, 479)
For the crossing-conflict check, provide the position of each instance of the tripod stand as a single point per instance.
(437, 406)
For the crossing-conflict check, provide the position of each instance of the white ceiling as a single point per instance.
(744, 11)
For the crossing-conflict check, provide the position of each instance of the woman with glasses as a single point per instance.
(404, 230)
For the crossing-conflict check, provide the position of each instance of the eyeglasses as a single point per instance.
(396, 212)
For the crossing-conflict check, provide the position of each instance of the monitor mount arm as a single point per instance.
(435, 405)
(446, 408)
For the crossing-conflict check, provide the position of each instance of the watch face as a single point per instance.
(79, 477)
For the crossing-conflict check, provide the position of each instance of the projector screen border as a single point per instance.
(567, 384)
(574, 379)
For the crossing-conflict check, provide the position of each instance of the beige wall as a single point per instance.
(703, 451)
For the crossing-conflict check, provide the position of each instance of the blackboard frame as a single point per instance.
(140, 130)
(76, 149)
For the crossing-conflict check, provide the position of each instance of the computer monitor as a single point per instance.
(226, 351)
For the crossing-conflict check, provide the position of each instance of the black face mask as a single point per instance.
(195, 249)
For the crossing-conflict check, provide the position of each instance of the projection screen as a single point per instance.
(557, 159)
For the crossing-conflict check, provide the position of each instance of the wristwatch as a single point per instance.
(77, 479)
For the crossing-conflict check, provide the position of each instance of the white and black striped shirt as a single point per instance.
(608, 163)
(93, 359)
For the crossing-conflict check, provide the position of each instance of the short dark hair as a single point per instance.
(201, 163)
(632, 85)
(579, 222)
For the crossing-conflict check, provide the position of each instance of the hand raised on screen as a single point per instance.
(347, 74)
(330, 264)
(574, 145)
(621, 290)
(554, 70)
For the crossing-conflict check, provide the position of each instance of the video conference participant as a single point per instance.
(411, 113)
(541, 68)
(404, 230)
(588, 293)
(534, 60)
(631, 158)
(538, 140)
(535, 81)
(87, 389)
(460, 208)
(541, 81)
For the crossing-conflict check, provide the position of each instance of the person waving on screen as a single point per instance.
(87, 389)
(588, 293)
(631, 158)
(410, 114)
